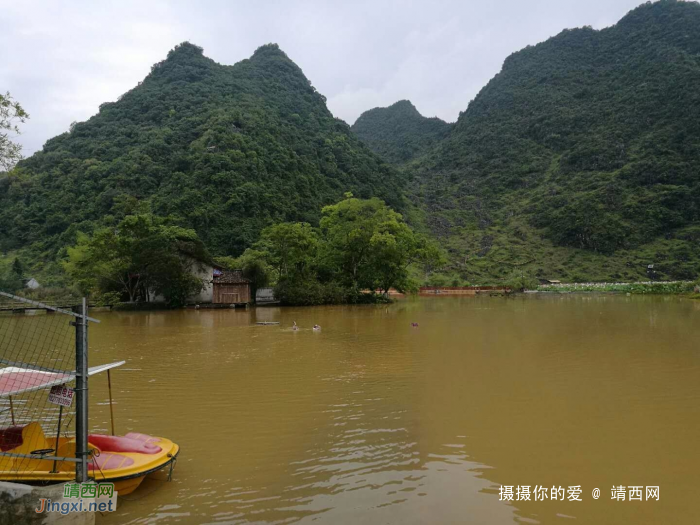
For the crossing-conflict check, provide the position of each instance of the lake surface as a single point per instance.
(375, 421)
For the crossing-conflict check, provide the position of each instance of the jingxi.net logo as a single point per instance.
(82, 497)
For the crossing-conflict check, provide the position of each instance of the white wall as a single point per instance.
(206, 274)
(265, 295)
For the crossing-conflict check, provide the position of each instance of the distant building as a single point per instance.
(219, 286)
(230, 287)
(265, 296)
(32, 284)
(651, 273)
(550, 281)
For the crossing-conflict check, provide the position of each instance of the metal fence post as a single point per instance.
(81, 391)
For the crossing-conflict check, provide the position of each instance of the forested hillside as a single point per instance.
(580, 159)
(226, 150)
(399, 133)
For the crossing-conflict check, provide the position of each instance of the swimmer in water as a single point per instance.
(295, 327)
(317, 328)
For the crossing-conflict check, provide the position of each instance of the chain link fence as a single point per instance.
(37, 378)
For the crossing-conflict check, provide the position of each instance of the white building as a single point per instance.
(32, 284)
(219, 286)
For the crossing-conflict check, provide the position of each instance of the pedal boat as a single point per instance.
(122, 460)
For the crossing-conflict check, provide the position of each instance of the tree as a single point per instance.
(368, 245)
(394, 248)
(10, 281)
(141, 256)
(101, 264)
(520, 280)
(10, 114)
(348, 227)
(255, 266)
(290, 248)
(17, 268)
(430, 257)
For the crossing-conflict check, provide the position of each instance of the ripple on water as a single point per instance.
(372, 421)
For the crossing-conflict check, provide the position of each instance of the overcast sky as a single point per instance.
(61, 60)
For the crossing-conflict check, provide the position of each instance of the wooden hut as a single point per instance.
(230, 287)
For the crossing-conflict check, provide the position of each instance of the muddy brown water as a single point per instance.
(372, 420)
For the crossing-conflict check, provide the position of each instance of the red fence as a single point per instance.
(424, 289)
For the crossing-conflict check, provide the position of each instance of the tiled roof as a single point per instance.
(231, 277)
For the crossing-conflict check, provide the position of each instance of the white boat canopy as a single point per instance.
(15, 380)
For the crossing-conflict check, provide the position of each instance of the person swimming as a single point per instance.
(294, 326)
(414, 325)
(317, 328)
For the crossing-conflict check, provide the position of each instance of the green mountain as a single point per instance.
(580, 159)
(399, 133)
(226, 150)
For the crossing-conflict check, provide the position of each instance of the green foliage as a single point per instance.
(290, 248)
(349, 228)
(582, 154)
(58, 296)
(10, 280)
(519, 281)
(11, 275)
(18, 268)
(175, 283)
(399, 133)
(226, 150)
(578, 161)
(369, 246)
(139, 257)
(10, 114)
(309, 292)
(361, 245)
(255, 266)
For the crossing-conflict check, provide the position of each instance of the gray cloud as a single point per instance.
(62, 60)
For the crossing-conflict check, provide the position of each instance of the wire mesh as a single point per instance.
(37, 351)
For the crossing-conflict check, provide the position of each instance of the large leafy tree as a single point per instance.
(394, 247)
(139, 256)
(290, 247)
(348, 228)
(11, 114)
(368, 245)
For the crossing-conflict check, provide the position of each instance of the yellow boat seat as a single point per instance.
(32, 439)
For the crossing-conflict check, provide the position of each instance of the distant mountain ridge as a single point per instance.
(580, 159)
(399, 133)
(226, 150)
